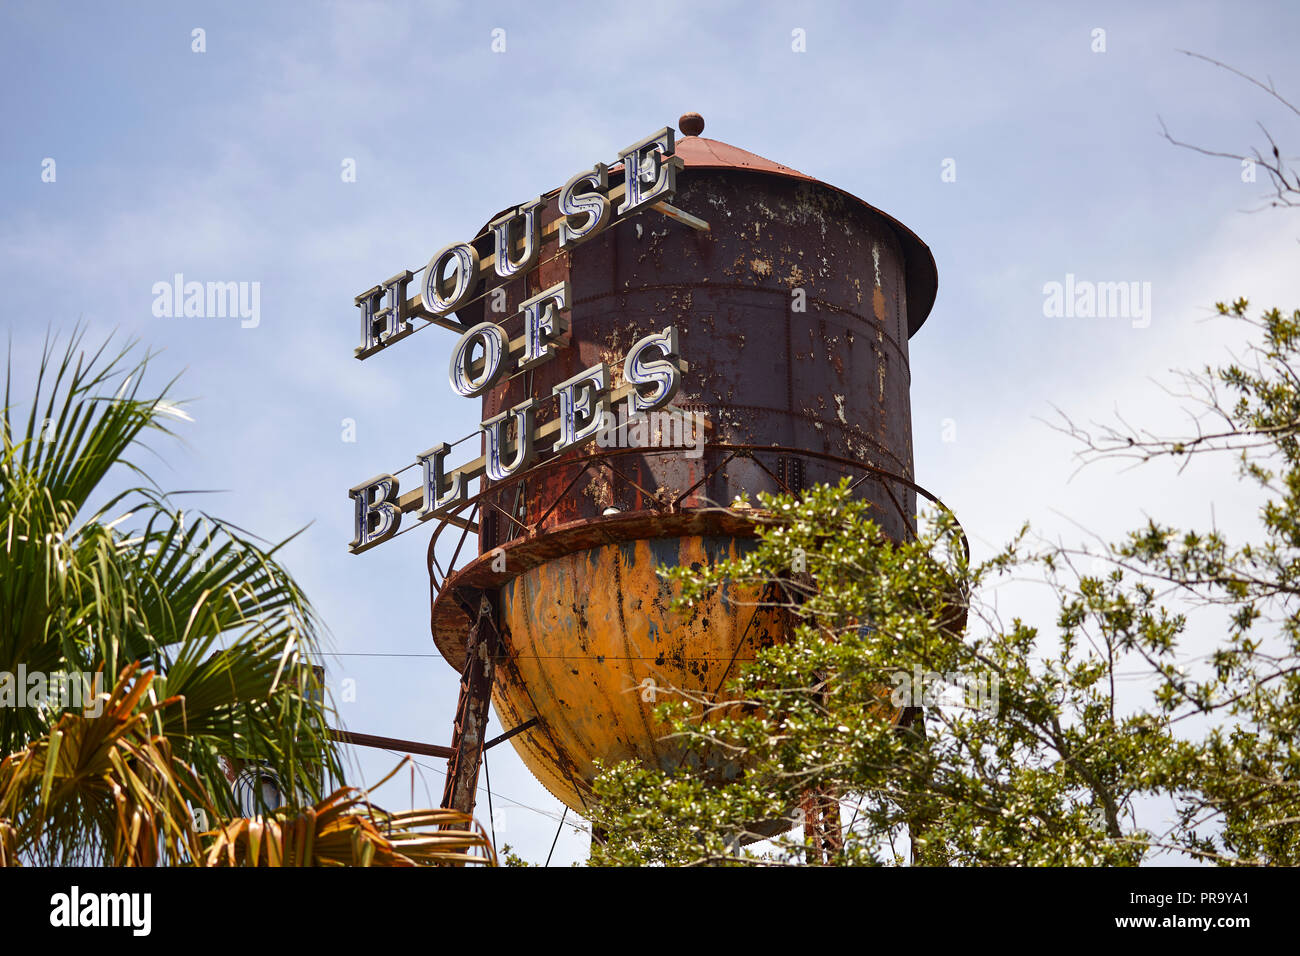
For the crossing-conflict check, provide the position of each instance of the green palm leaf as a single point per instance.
(99, 569)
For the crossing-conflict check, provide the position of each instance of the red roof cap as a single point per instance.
(712, 154)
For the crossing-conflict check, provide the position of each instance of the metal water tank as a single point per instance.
(793, 311)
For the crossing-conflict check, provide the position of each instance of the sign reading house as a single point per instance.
(484, 354)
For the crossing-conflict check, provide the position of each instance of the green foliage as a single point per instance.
(1047, 763)
(1043, 772)
(1245, 805)
(510, 858)
(93, 579)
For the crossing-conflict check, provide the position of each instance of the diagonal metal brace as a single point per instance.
(472, 706)
(502, 738)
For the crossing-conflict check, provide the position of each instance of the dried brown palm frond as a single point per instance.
(106, 782)
(110, 781)
(345, 830)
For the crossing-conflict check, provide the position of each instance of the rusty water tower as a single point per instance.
(794, 311)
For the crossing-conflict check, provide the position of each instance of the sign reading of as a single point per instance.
(485, 354)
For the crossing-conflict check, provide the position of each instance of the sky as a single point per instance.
(1021, 144)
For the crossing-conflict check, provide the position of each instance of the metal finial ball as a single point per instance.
(691, 124)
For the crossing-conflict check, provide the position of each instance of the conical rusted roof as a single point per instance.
(696, 151)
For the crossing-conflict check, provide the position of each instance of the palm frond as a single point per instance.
(345, 830)
(101, 789)
(97, 575)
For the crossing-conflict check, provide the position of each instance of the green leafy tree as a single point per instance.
(1034, 756)
(1243, 802)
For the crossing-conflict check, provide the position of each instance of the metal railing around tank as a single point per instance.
(483, 505)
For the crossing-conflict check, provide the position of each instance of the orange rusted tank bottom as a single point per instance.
(593, 648)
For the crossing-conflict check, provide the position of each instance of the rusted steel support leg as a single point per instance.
(822, 831)
(911, 724)
(832, 829)
(472, 708)
(808, 809)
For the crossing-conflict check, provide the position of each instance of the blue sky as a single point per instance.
(225, 166)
